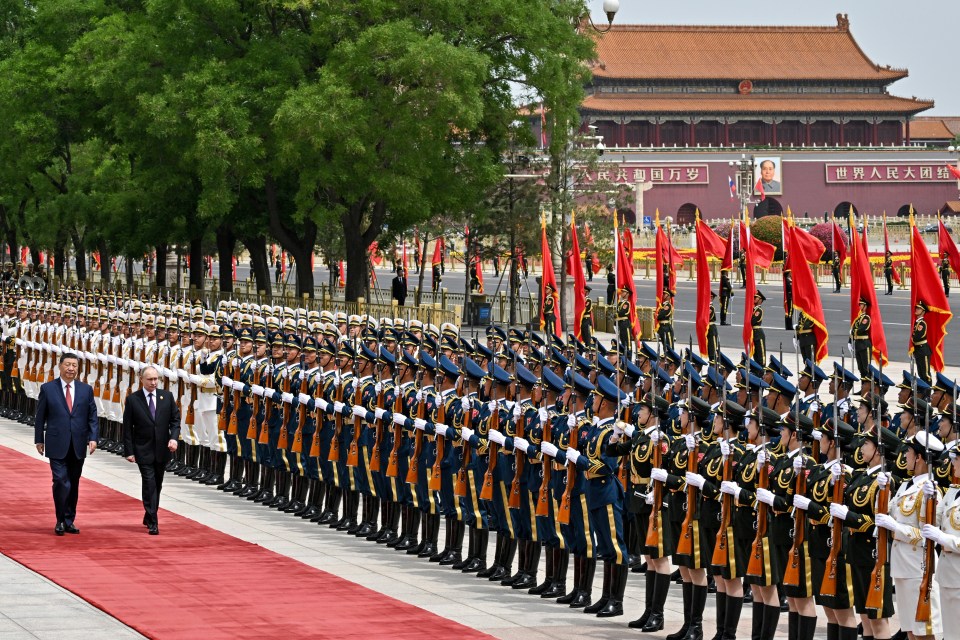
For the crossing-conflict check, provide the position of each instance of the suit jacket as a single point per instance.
(57, 428)
(144, 437)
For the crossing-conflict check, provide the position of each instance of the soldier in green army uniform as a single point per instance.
(726, 292)
(623, 321)
(888, 272)
(586, 318)
(665, 320)
(713, 334)
(918, 338)
(835, 270)
(944, 269)
(806, 340)
(756, 321)
(860, 338)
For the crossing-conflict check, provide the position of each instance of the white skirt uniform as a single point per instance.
(906, 560)
(948, 567)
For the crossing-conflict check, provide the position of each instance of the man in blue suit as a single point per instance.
(65, 430)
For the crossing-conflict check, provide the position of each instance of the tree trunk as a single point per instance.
(13, 246)
(160, 266)
(298, 242)
(80, 256)
(197, 266)
(128, 267)
(257, 247)
(59, 258)
(226, 243)
(357, 264)
(35, 256)
(423, 265)
(105, 271)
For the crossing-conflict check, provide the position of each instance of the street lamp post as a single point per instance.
(744, 170)
(610, 7)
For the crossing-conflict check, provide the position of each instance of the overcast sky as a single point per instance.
(919, 35)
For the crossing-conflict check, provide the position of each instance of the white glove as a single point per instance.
(626, 401)
(885, 521)
(465, 404)
(797, 463)
(655, 436)
(236, 363)
(765, 496)
(519, 444)
(136, 366)
(419, 423)
(378, 388)
(226, 381)
(399, 418)
(730, 488)
(695, 479)
(338, 407)
(658, 475)
(572, 421)
(359, 411)
(440, 428)
(762, 456)
(817, 436)
(933, 534)
(57, 349)
(724, 448)
(801, 503)
(850, 347)
(257, 390)
(492, 406)
(517, 411)
(379, 413)
(839, 511)
(796, 345)
(691, 441)
(883, 479)
(303, 398)
(420, 396)
(195, 379)
(497, 437)
(465, 433)
(929, 489)
(629, 430)
(112, 359)
(835, 472)
(648, 497)
(618, 428)
(171, 375)
(286, 398)
(238, 385)
(572, 456)
(543, 414)
(595, 420)
(322, 404)
(549, 449)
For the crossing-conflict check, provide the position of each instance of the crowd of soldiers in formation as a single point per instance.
(756, 483)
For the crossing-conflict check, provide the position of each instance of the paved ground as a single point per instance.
(32, 607)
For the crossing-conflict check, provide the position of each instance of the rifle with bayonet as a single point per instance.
(375, 463)
(877, 576)
(685, 544)
(829, 584)
(791, 574)
(301, 408)
(924, 613)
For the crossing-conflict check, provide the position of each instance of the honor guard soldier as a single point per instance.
(921, 349)
(665, 320)
(742, 267)
(860, 339)
(947, 535)
(549, 310)
(586, 318)
(756, 321)
(623, 320)
(806, 340)
(835, 270)
(787, 297)
(473, 465)
(726, 292)
(888, 272)
(944, 269)
(713, 334)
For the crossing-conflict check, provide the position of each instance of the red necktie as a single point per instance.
(69, 399)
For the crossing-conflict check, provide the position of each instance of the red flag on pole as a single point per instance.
(709, 244)
(751, 285)
(233, 268)
(925, 286)
(404, 260)
(549, 278)
(806, 249)
(579, 280)
(861, 286)
(342, 279)
(954, 170)
(763, 252)
(625, 280)
(727, 263)
(948, 246)
(437, 259)
(759, 189)
(886, 248)
(478, 266)
(838, 244)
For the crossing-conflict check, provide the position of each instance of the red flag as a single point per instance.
(342, 280)
(233, 268)
(625, 280)
(209, 267)
(925, 286)
(594, 263)
(664, 248)
(861, 286)
(404, 260)
(838, 244)
(628, 243)
(283, 264)
(763, 252)
(712, 245)
(478, 266)
(886, 248)
(759, 189)
(954, 170)
(727, 264)
(437, 258)
(751, 286)
(579, 280)
(549, 278)
(949, 247)
(804, 249)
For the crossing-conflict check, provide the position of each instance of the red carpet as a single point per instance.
(191, 581)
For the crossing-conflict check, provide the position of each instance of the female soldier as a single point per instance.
(947, 535)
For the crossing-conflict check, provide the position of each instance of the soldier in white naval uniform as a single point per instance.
(947, 535)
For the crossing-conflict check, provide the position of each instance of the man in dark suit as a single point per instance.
(65, 430)
(399, 287)
(151, 427)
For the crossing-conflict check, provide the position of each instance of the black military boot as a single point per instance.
(303, 497)
(218, 464)
(618, 585)
(433, 534)
(529, 577)
(479, 561)
(771, 617)
(498, 551)
(559, 585)
(266, 488)
(368, 525)
(698, 600)
(331, 507)
(523, 547)
(732, 618)
(251, 482)
(351, 504)
(391, 532)
(549, 577)
(418, 546)
(203, 461)
(598, 606)
(686, 590)
(282, 499)
(313, 501)
(452, 556)
(585, 586)
(411, 523)
(471, 549)
(447, 534)
(577, 576)
(506, 559)
(660, 591)
(721, 612)
(806, 627)
(383, 506)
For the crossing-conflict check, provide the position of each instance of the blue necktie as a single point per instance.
(153, 408)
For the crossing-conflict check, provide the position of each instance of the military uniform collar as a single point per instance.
(872, 470)
(650, 429)
(447, 392)
(920, 479)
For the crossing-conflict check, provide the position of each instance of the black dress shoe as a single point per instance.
(214, 480)
(499, 574)
(366, 530)
(154, 531)
(526, 581)
(405, 543)
(326, 517)
(69, 528)
(450, 559)
(310, 512)
(262, 496)
(640, 622)
(375, 535)
(428, 550)
(58, 529)
(294, 506)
